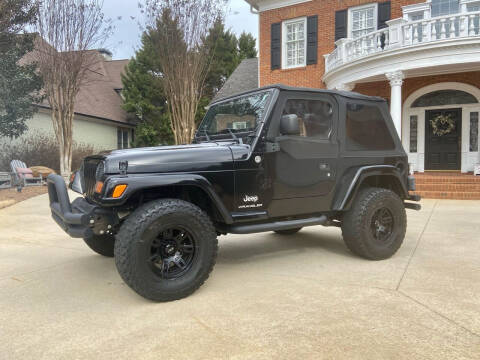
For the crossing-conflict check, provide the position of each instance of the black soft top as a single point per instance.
(281, 87)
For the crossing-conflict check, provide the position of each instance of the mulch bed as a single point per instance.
(12, 196)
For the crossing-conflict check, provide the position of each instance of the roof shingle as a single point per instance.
(99, 95)
(243, 78)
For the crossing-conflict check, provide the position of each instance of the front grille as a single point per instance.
(89, 175)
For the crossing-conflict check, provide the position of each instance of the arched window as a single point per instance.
(444, 97)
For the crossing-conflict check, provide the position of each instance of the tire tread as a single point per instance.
(353, 222)
(125, 259)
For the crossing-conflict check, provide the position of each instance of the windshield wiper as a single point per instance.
(235, 137)
(205, 134)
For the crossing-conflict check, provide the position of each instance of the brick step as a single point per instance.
(447, 180)
(465, 187)
(453, 195)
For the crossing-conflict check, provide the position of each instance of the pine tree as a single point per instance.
(144, 96)
(246, 46)
(225, 57)
(19, 82)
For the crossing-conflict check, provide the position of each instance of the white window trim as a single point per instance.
(284, 43)
(350, 16)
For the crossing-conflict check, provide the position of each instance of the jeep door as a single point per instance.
(303, 165)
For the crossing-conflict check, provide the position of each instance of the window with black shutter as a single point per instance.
(276, 46)
(383, 14)
(312, 39)
(341, 24)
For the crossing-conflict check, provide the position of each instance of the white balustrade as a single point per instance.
(409, 33)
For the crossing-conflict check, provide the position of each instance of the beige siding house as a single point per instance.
(99, 118)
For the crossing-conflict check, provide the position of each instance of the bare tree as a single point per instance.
(68, 28)
(184, 57)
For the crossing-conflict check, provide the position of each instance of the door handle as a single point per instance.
(324, 166)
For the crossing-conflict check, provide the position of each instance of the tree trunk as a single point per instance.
(62, 124)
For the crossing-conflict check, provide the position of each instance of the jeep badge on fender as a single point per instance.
(273, 159)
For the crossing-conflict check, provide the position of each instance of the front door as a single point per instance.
(303, 169)
(443, 139)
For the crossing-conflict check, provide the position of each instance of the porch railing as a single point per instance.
(401, 33)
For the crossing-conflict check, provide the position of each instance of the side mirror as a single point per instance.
(289, 125)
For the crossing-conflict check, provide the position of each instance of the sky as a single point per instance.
(126, 16)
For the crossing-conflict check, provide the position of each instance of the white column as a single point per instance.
(345, 87)
(396, 81)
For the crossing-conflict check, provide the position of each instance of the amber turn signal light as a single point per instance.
(72, 177)
(98, 187)
(119, 190)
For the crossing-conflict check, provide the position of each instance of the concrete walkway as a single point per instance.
(269, 296)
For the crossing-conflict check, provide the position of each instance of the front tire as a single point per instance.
(375, 226)
(166, 249)
(101, 244)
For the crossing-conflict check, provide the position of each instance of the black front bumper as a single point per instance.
(79, 218)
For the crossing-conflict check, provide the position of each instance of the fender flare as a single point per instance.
(362, 173)
(136, 183)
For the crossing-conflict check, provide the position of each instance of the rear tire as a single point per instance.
(375, 226)
(101, 244)
(166, 249)
(288, 231)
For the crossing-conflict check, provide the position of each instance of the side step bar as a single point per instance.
(412, 206)
(277, 225)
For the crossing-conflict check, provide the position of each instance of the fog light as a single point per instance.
(119, 190)
(98, 187)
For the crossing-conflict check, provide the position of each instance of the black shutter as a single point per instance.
(276, 46)
(312, 39)
(340, 24)
(383, 14)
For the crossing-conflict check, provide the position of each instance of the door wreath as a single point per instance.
(442, 124)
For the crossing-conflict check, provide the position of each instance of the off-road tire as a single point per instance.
(288, 231)
(131, 245)
(357, 224)
(101, 244)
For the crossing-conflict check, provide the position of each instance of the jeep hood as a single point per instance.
(178, 158)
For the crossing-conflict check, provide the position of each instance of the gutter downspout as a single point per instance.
(256, 12)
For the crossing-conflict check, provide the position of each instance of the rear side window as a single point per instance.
(314, 116)
(366, 129)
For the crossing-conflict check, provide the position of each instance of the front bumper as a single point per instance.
(79, 218)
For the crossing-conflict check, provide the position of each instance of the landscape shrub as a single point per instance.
(40, 150)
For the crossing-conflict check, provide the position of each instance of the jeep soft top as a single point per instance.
(272, 159)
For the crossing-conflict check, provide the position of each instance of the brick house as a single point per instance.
(423, 57)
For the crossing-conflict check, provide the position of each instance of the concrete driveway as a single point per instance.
(269, 296)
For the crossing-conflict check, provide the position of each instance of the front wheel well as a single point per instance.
(190, 193)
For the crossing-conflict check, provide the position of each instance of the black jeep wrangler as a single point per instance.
(274, 159)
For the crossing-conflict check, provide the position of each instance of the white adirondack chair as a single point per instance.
(19, 180)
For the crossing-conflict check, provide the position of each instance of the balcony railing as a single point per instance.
(401, 33)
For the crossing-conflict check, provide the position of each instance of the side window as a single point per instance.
(314, 117)
(366, 129)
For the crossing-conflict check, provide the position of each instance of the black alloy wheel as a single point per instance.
(172, 252)
(382, 224)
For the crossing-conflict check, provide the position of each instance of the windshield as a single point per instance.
(235, 118)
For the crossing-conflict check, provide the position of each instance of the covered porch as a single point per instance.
(429, 70)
